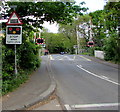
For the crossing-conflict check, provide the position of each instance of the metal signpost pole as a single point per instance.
(14, 33)
(15, 62)
(14, 6)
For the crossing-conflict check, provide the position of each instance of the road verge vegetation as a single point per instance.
(28, 60)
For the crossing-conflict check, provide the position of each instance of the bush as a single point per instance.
(111, 48)
(98, 48)
(91, 51)
(27, 62)
(15, 82)
(28, 54)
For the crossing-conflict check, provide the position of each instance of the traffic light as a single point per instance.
(14, 30)
(39, 41)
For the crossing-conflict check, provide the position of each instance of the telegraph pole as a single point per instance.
(90, 29)
(78, 41)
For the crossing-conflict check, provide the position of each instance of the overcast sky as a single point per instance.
(93, 5)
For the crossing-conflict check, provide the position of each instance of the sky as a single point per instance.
(93, 5)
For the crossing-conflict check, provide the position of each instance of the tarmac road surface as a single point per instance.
(84, 84)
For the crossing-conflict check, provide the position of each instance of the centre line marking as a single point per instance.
(95, 105)
(101, 77)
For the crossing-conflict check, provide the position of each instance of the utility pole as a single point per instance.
(90, 29)
(78, 41)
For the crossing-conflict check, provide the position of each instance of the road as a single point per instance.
(83, 84)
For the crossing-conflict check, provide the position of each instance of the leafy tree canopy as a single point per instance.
(60, 12)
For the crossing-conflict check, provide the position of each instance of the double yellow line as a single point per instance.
(85, 58)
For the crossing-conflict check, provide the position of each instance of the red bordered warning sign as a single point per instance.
(90, 44)
(14, 19)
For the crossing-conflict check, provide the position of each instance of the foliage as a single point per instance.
(60, 12)
(112, 42)
(73, 31)
(27, 52)
(111, 48)
(10, 85)
(69, 31)
(105, 30)
(57, 43)
(27, 61)
(98, 28)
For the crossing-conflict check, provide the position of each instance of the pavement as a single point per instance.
(38, 88)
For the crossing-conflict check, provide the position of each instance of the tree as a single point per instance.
(98, 28)
(78, 26)
(105, 28)
(56, 43)
(112, 42)
(33, 14)
(60, 12)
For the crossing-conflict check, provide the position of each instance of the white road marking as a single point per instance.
(95, 105)
(85, 58)
(68, 58)
(80, 66)
(74, 58)
(60, 59)
(101, 77)
(57, 105)
(58, 56)
(104, 77)
(67, 107)
(51, 58)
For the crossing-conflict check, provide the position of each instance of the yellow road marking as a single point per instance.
(85, 58)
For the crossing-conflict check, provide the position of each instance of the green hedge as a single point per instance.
(28, 61)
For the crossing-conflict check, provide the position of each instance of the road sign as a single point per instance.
(90, 44)
(39, 41)
(14, 19)
(13, 34)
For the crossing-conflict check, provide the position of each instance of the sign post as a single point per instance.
(14, 33)
(15, 61)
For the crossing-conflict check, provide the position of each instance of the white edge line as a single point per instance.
(101, 77)
(95, 105)
(67, 107)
